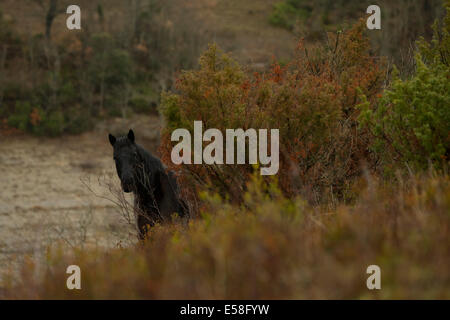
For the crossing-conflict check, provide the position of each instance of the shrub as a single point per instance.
(20, 118)
(311, 101)
(35, 120)
(271, 248)
(285, 14)
(411, 122)
(142, 105)
(77, 120)
(437, 51)
(53, 124)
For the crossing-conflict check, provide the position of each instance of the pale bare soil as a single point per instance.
(58, 190)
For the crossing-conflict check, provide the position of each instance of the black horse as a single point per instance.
(156, 194)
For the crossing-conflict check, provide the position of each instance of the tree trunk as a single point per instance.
(51, 14)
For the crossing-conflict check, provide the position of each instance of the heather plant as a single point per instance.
(311, 101)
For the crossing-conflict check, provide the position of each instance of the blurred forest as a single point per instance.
(364, 120)
(55, 81)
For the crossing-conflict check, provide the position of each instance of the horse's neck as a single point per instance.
(148, 188)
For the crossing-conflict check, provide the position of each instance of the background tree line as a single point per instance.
(53, 83)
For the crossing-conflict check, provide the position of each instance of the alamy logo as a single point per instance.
(73, 22)
(374, 281)
(374, 21)
(74, 280)
(213, 153)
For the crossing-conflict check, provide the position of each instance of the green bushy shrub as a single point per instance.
(20, 118)
(437, 51)
(35, 120)
(411, 122)
(77, 120)
(285, 14)
(142, 105)
(52, 124)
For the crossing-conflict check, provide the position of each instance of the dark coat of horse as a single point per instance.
(156, 193)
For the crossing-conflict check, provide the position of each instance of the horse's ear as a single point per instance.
(131, 135)
(112, 139)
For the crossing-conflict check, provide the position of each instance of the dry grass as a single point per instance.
(274, 248)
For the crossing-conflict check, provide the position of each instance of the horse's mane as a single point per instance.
(149, 160)
(156, 168)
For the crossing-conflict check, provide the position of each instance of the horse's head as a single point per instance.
(127, 159)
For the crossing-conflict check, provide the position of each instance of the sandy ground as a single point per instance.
(54, 190)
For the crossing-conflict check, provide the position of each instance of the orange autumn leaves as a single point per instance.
(311, 100)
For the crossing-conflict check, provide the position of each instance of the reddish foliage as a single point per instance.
(311, 101)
